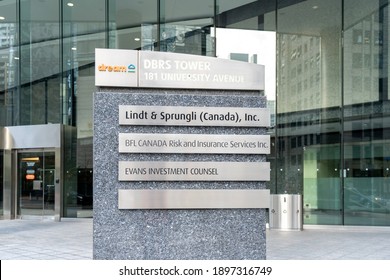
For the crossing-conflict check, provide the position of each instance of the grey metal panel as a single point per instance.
(32, 136)
(2, 133)
(193, 171)
(7, 139)
(58, 183)
(193, 199)
(286, 212)
(194, 116)
(193, 143)
(8, 190)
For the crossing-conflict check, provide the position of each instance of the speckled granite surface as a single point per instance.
(170, 234)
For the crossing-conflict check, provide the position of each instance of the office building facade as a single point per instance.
(327, 71)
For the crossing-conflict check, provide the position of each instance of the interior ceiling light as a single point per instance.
(30, 159)
(315, 7)
(70, 4)
(137, 39)
(2, 18)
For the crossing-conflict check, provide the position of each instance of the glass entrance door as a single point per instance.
(36, 183)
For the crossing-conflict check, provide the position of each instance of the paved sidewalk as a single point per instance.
(330, 243)
(71, 239)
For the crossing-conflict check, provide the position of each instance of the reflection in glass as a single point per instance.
(133, 24)
(246, 14)
(40, 63)
(84, 29)
(245, 31)
(253, 47)
(9, 61)
(308, 127)
(366, 114)
(186, 27)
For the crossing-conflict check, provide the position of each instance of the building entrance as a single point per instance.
(36, 183)
(32, 160)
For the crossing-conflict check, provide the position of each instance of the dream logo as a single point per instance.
(131, 68)
(117, 68)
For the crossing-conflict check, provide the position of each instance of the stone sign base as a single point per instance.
(171, 234)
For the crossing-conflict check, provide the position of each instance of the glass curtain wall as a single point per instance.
(331, 85)
(366, 113)
(309, 100)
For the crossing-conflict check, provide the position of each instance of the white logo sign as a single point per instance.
(130, 68)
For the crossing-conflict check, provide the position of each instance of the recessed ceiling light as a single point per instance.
(137, 39)
(16, 58)
(70, 4)
(74, 48)
(315, 7)
(2, 18)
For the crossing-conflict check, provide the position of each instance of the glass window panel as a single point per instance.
(84, 29)
(250, 46)
(40, 63)
(246, 14)
(187, 27)
(241, 35)
(366, 113)
(309, 34)
(133, 24)
(9, 61)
